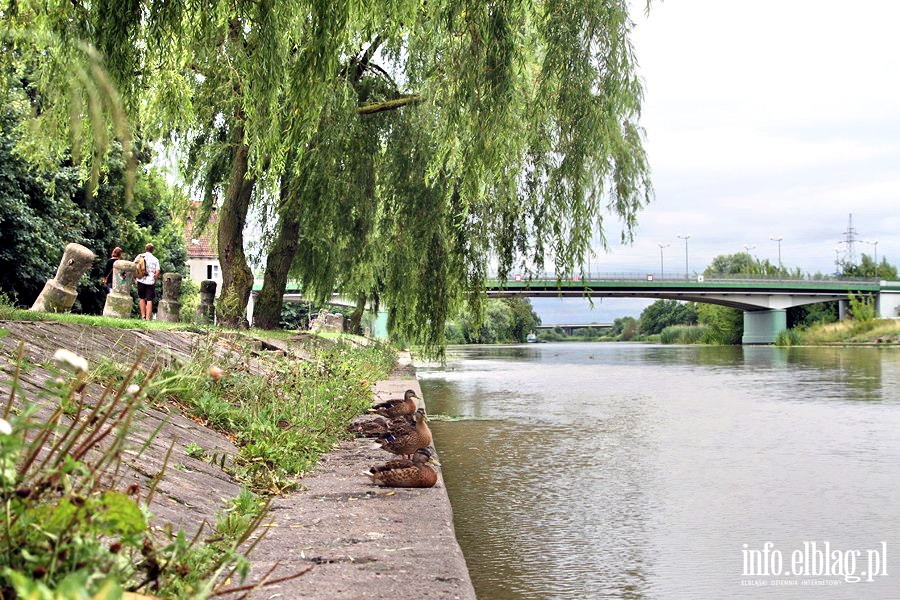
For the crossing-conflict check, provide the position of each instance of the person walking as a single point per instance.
(108, 271)
(146, 280)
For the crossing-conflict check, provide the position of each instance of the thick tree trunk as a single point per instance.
(267, 311)
(356, 318)
(237, 278)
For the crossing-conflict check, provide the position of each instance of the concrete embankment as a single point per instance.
(366, 541)
(361, 541)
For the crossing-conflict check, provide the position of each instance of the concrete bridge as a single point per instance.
(569, 328)
(763, 300)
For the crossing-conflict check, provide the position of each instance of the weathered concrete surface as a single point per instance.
(365, 541)
(192, 490)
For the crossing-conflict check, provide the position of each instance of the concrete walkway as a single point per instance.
(362, 541)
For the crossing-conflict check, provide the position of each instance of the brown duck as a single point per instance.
(416, 472)
(406, 441)
(397, 407)
(379, 426)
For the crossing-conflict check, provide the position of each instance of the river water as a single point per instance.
(638, 471)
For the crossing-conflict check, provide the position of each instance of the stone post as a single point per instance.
(59, 293)
(169, 307)
(206, 311)
(118, 302)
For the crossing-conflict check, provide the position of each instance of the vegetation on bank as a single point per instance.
(70, 530)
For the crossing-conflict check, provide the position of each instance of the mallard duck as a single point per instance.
(416, 472)
(406, 441)
(379, 426)
(397, 407)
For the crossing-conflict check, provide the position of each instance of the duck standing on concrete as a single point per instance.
(379, 426)
(406, 441)
(397, 407)
(416, 472)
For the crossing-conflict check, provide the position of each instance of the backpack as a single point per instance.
(140, 267)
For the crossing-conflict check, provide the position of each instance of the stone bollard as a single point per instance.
(118, 302)
(59, 292)
(169, 307)
(206, 311)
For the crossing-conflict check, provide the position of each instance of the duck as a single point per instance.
(397, 407)
(416, 472)
(406, 441)
(379, 426)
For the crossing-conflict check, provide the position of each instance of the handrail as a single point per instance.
(669, 278)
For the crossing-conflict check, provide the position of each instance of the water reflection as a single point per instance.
(633, 471)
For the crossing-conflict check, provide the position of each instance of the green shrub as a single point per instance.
(862, 308)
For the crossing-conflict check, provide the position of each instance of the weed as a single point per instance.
(195, 451)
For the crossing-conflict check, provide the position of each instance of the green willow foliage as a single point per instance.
(513, 138)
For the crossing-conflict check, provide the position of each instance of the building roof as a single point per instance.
(200, 245)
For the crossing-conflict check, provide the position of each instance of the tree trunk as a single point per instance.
(237, 278)
(356, 317)
(267, 312)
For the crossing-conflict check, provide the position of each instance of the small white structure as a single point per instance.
(203, 258)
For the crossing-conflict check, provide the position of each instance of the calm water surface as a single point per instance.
(635, 471)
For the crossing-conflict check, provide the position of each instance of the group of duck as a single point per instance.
(402, 428)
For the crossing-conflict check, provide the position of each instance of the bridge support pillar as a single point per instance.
(763, 326)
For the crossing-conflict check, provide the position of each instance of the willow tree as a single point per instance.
(511, 135)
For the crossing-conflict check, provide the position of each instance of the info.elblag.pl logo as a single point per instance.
(813, 563)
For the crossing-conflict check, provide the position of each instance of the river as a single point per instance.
(640, 471)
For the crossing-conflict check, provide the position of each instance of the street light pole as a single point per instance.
(747, 248)
(685, 238)
(875, 243)
(662, 270)
(778, 239)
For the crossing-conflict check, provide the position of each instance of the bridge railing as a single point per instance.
(673, 278)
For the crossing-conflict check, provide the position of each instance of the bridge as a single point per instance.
(569, 328)
(763, 300)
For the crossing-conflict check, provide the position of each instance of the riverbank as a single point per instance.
(192, 464)
(366, 541)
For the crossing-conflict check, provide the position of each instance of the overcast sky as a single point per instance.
(772, 118)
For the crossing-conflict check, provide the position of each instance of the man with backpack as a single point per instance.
(146, 270)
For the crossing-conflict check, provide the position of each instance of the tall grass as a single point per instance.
(851, 331)
(684, 334)
(788, 337)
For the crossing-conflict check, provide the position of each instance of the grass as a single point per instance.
(283, 420)
(8, 312)
(788, 337)
(851, 331)
(684, 334)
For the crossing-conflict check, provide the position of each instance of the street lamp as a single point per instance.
(747, 248)
(875, 243)
(778, 239)
(685, 238)
(662, 271)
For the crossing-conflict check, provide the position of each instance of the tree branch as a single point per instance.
(385, 105)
